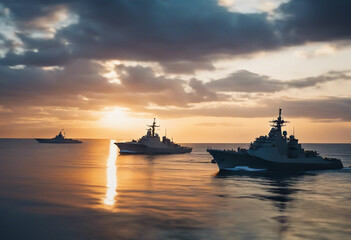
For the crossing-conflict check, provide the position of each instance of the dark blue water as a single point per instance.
(87, 191)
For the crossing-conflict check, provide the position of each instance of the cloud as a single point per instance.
(182, 36)
(331, 108)
(78, 93)
(47, 21)
(173, 33)
(143, 79)
(81, 85)
(33, 86)
(148, 30)
(164, 90)
(8, 44)
(325, 50)
(186, 67)
(245, 81)
(308, 20)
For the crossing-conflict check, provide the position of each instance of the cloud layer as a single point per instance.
(82, 86)
(169, 32)
(245, 81)
(76, 38)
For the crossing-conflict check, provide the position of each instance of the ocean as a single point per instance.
(88, 191)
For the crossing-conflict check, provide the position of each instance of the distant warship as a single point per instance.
(274, 152)
(59, 138)
(151, 144)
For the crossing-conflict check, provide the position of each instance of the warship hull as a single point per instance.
(61, 141)
(231, 159)
(138, 148)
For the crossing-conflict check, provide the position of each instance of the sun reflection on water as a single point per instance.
(111, 175)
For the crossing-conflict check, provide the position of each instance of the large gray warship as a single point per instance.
(274, 152)
(151, 144)
(59, 138)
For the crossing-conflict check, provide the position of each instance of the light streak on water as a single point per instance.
(111, 175)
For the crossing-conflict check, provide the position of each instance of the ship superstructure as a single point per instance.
(151, 144)
(275, 151)
(59, 138)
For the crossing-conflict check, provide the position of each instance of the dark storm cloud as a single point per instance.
(7, 44)
(49, 57)
(26, 11)
(150, 30)
(311, 20)
(245, 81)
(173, 31)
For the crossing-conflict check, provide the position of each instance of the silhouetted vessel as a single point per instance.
(59, 138)
(274, 152)
(151, 144)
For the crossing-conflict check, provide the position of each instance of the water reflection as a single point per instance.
(69, 192)
(111, 175)
(280, 189)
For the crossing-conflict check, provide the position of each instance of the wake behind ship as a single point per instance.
(151, 144)
(59, 138)
(274, 152)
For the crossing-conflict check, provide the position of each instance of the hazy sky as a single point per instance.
(210, 71)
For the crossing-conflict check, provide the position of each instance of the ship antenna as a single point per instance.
(294, 131)
(279, 122)
(153, 127)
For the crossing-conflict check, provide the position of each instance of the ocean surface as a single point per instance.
(87, 191)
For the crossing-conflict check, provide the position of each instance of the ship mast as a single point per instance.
(279, 122)
(153, 127)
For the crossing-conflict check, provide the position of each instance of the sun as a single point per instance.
(114, 118)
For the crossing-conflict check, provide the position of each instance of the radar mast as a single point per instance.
(153, 127)
(279, 122)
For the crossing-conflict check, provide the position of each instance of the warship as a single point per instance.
(151, 144)
(274, 152)
(59, 138)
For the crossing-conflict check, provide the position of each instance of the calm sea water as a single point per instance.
(87, 191)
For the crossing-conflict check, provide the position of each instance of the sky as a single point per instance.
(208, 70)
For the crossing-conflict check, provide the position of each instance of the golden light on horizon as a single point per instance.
(111, 176)
(114, 118)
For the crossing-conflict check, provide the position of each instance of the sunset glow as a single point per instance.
(114, 119)
(206, 74)
(175, 119)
